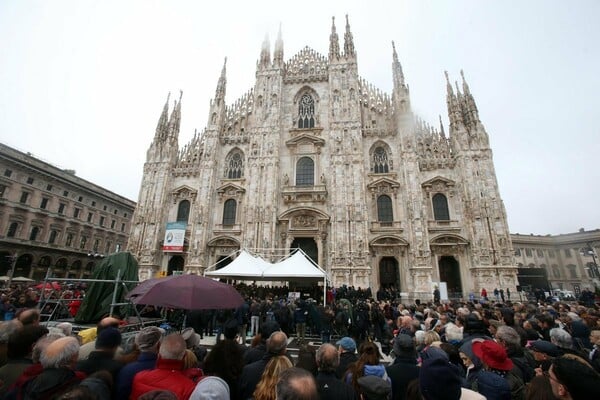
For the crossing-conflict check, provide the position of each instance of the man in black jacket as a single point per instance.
(347, 350)
(251, 374)
(404, 369)
(330, 387)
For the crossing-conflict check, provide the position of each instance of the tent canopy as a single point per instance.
(248, 267)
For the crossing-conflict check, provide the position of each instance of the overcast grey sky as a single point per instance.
(83, 82)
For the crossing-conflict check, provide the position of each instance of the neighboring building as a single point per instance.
(50, 217)
(569, 260)
(313, 156)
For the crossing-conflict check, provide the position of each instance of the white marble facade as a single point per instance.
(315, 156)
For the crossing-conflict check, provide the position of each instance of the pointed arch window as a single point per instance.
(440, 208)
(380, 161)
(229, 211)
(305, 172)
(234, 165)
(183, 211)
(306, 112)
(385, 212)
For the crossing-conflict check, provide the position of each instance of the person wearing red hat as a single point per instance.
(495, 359)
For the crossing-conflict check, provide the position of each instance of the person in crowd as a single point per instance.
(30, 316)
(103, 358)
(347, 350)
(494, 359)
(296, 384)
(404, 368)
(6, 330)
(329, 386)
(100, 385)
(523, 361)
(256, 353)
(265, 388)
(539, 388)
(211, 388)
(438, 380)
(58, 373)
(276, 346)
(19, 352)
(573, 380)
(254, 318)
(241, 317)
(300, 319)
(307, 359)
(368, 364)
(543, 353)
(225, 360)
(147, 341)
(169, 373)
(89, 335)
(594, 354)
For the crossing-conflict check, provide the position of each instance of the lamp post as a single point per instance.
(593, 266)
(13, 265)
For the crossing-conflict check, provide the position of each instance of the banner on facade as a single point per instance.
(174, 236)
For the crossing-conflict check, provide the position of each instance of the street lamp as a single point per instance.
(593, 266)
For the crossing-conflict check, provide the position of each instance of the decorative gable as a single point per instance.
(438, 184)
(306, 66)
(184, 192)
(383, 186)
(230, 190)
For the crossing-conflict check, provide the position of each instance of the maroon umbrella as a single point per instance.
(186, 292)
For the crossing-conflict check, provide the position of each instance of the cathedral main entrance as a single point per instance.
(388, 273)
(309, 246)
(176, 263)
(450, 273)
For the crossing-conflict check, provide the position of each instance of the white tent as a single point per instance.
(296, 267)
(244, 267)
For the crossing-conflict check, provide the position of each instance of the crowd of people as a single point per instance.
(354, 347)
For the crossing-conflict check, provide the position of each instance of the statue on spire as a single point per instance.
(348, 41)
(222, 84)
(265, 53)
(334, 43)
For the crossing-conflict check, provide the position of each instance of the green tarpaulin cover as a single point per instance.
(99, 295)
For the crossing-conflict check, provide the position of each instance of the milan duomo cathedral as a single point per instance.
(315, 157)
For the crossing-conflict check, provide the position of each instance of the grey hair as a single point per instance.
(42, 343)
(296, 384)
(63, 358)
(328, 359)
(508, 335)
(277, 343)
(8, 328)
(173, 347)
(453, 332)
(561, 338)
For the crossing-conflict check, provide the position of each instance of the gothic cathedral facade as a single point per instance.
(313, 156)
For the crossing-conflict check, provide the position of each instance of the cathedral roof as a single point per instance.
(306, 65)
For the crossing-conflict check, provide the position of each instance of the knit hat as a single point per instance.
(211, 388)
(438, 380)
(403, 344)
(492, 354)
(148, 337)
(109, 338)
(347, 343)
(191, 337)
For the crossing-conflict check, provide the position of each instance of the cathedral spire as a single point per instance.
(278, 52)
(222, 84)
(442, 133)
(397, 69)
(449, 91)
(334, 42)
(175, 119)
(465, 85)
(348, 41)
(265, 53)
(163, 120)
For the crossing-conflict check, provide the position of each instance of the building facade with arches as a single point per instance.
(49, 217)
(314, 156)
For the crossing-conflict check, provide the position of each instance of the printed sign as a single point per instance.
(174, 236)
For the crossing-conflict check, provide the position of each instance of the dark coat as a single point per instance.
(50, 383)
(145, 361)
(346, 359)
(251, 375)
(98, 361)
(330, 387)
(401, 373)
(254, 354)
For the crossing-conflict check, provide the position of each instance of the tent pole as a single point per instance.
(324, 291)
(114, 298)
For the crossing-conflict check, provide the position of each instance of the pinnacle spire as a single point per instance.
(348, 41)
(278, 52)
(465, 85)
(334, 43)
(397, 68)
(265, 52)
(222, 84)
(175, 119)
(449, 91)
(442, 133)
(163, 119)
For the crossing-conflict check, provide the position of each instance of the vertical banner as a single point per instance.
(174, 236)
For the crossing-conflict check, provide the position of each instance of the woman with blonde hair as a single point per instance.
(265, 390)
